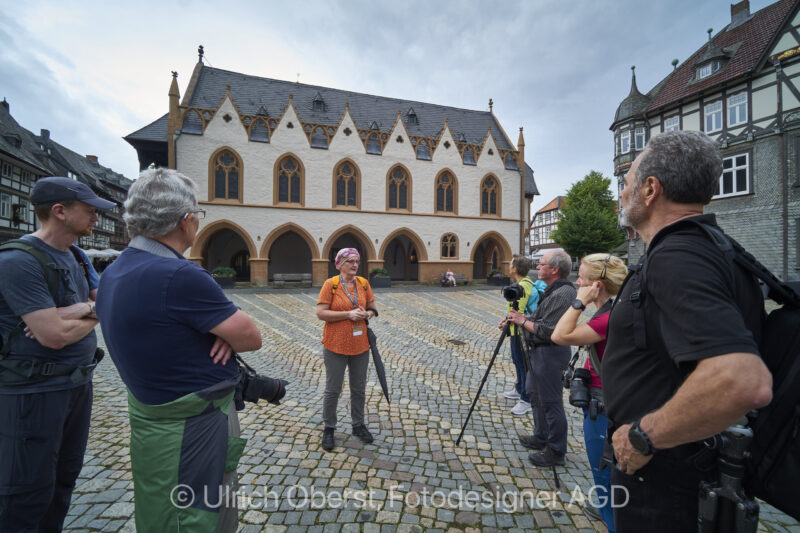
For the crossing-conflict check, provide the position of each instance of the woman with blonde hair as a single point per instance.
(599, 279)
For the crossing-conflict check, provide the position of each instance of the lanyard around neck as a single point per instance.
(344, 286)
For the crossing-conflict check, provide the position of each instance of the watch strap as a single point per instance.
(645, 439)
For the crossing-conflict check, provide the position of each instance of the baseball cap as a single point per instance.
(58, 189)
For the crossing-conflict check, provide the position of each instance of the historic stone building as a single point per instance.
(289, 173)
(25, 157)
(741, 88)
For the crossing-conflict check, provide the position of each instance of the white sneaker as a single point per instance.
(522, 408)
(511, 394)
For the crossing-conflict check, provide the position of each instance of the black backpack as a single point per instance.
(28, 370)
(773, 465)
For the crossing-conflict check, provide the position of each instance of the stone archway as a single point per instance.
(491, 250)
(224, 243)
(401, 253)
(349, 237)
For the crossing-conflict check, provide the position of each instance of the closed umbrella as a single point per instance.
(376, 359)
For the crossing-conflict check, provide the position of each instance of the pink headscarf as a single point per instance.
(344, 254)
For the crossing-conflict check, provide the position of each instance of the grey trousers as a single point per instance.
(546, 394)
(335, 365)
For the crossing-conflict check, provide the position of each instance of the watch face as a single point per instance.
(577, 304)
(639, 441)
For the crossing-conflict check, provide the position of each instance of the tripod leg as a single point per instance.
(483, 381)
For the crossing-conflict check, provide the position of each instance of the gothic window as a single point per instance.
(374, 144)
(398, 189)
(423, 150)
(346, 181)
(446, 193)
(319, 139)
(490, 196)
(226, 176)
(289, 181)
(449, 246)
(259, 131)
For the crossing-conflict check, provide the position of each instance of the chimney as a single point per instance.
(5, 104)
(45, 135)
(740, 13)
(92, 158)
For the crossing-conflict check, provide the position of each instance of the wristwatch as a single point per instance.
(639, 440)
(578, 304)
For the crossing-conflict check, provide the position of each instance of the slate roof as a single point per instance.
(20, 143)
(93, 174)
(256, 95)
(634, 104)
(750, 40)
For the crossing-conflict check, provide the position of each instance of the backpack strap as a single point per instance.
(50, 271)
(79, 258)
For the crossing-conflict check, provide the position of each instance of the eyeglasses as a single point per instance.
(200, 214)
(352, 261)
(605, 265)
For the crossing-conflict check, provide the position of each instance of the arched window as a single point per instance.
(423, 150)
(346, 182)
(289, 181)
(398, 189)
(374, 144)
(259, 131)
(449, 246)
(225, 176)
(490, 196)
(446, 193)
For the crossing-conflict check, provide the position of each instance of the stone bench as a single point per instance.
(291, 280)
(461, 279)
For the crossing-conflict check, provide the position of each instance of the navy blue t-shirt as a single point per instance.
(23, 289)
(156, 314)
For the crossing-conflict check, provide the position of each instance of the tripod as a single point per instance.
(503, 335)
(724, 507)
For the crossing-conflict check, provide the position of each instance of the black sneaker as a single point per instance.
(546, 457)
(532, 442)
(363, 433)
(592, 512)
(328, 442)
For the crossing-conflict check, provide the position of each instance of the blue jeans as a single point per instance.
(594, 436)
(519, 363)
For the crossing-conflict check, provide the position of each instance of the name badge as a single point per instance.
(358, 330)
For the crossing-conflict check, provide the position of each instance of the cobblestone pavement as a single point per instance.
(413, 477)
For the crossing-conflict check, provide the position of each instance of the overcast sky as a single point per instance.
(92, 72)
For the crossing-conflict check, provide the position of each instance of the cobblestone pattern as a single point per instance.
(290, 484)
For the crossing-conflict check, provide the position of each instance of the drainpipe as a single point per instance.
(784, 181)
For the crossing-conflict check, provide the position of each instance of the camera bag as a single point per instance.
(773, 465)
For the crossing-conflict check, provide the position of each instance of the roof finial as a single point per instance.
(710, 31)
(491, 103)
(200, 53)
(228, 89)
(675, 63)
(347, 106)
(174, 74)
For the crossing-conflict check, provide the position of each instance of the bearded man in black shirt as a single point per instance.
(699, 370)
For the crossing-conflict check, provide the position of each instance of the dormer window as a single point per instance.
(411, 117)
(708, 69)
(423, 150)
(374, 144)
(318, 138)
(318, 104)
(469, 156)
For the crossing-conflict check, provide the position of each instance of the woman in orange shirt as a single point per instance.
(345, 304)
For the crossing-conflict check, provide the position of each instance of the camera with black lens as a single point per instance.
(579, 388)
(513, 293)
(253, 386)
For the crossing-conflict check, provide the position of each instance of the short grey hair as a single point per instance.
(687, 163)
(157, 201)
(562, 261)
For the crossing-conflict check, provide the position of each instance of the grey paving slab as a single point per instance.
(413, 477)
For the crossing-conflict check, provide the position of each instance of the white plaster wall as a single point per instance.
(784, 43)
(193, 153)
(691, 121)
(789, 99)
(764, 103)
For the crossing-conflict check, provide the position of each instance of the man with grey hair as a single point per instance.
(170, 330)
(548, 361)
(681, 361)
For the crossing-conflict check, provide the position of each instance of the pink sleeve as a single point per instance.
(600, 324)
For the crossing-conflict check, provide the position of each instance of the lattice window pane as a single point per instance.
(440, 198)
(340, 191)
(449, 203)
(233, 184)
(351, 192)
(295, 189)
(493, 203)
(393, 196)
(485, 202)
(402, 196)
(283, 187)
(219, 183)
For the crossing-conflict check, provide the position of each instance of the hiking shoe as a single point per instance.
(511, 394)
(328, 442)
(592, 512)
(532, 441)
(522, 408)
(546, 457)
(363, 433)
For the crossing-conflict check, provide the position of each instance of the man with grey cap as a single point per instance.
(49, 350)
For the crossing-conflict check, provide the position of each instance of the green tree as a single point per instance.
(588, 222)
